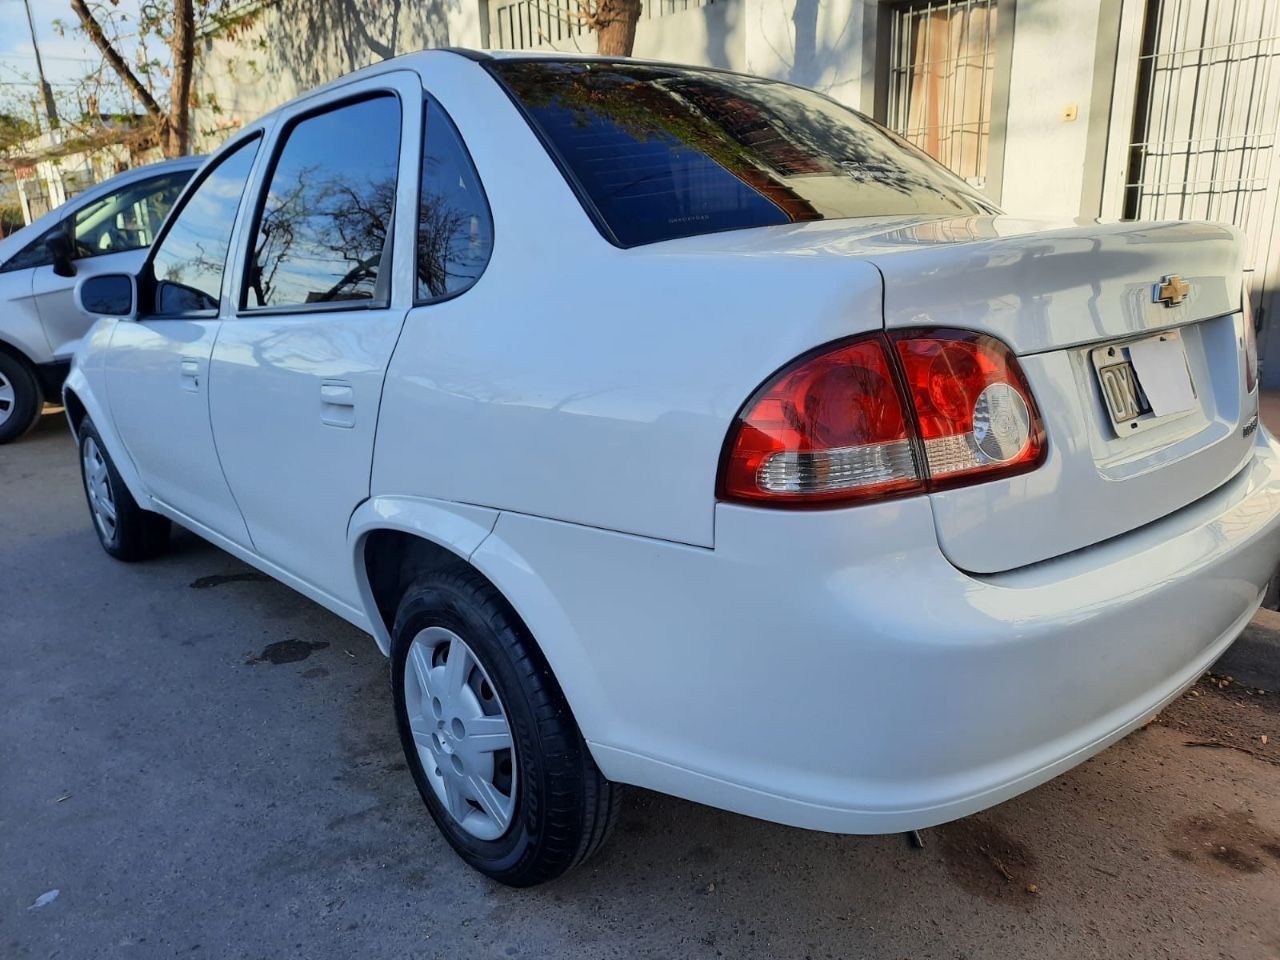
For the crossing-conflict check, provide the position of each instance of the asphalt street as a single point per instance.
(201, 763)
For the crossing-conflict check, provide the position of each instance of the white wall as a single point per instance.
(1054, 44)
(815, 44)
(291, 46)
(296, 44)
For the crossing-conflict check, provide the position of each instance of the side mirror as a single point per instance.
(62, 254)
(108, 295)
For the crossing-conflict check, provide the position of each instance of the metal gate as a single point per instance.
(1205, 123)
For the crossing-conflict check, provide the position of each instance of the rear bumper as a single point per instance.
(833, 671)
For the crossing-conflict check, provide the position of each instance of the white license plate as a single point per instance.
(1144, 382)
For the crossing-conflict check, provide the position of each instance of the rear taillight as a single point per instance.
(975, 412)
(879, 417)
(1250, 343)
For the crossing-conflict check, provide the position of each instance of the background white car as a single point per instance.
(673, 427)
(106, 229)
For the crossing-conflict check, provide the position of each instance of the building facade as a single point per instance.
(1058, 109)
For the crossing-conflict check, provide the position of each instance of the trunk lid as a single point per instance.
(1070, 301)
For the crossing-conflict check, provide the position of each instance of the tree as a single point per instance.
(172, 122)
(614, 22)
(161, 84)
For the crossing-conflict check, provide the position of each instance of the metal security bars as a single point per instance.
(941, 80)
(534, 23)
(1208, 108)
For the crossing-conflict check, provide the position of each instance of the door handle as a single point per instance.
(190, 377)
(337, 403)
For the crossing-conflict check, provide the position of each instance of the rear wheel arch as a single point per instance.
(392, 559)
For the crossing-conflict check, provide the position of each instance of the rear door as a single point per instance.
(297, 371)
(157, 366)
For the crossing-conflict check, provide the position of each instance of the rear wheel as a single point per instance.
(489, 738)
(21, 399)
(124, 529)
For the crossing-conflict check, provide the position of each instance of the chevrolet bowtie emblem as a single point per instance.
(1170, 291)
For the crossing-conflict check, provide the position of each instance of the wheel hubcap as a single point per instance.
(461, 731)
(98, 485)
(7, 399)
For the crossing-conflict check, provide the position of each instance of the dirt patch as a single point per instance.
(1230, 841)
(1220, 713)
(287, 651)
(983, 859)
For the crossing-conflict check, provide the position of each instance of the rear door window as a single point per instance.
(327, 211)
(660, 152)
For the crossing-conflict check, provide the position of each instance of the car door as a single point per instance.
(109, 235)
(157, 367)
(297, 373)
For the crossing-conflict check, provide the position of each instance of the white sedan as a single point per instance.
(674, 427)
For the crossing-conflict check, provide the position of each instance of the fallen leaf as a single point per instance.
(1033, 889)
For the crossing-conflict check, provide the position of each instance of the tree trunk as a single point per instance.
(177, 133)
(615, 23)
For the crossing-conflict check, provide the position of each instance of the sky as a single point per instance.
(65, 58)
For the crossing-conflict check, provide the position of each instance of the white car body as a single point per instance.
(40, 322)
(559, 426)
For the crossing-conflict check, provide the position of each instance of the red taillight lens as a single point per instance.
(874, 418)
(829, 427)
(1250, 343)
(976, 413)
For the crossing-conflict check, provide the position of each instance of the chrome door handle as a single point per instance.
(190, 377)
(337, 403)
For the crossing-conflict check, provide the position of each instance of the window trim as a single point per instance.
(427, 100)
(147, 277)
(241, 309)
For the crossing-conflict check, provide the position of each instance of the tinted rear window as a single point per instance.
(659, 152)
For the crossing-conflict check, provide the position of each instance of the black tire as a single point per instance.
(564, 807)
(138, 534)
(28, 399)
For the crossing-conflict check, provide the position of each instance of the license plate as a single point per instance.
(1144, 382)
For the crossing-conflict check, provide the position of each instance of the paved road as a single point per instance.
(187, 797)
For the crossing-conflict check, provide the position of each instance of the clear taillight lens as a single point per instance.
(1250, 342)
(878, 417)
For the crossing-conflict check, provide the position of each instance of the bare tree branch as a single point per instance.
(93, 30)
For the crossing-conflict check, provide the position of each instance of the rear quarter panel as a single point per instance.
(581, 382)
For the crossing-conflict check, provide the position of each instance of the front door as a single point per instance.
(157, 367)
(297, 372)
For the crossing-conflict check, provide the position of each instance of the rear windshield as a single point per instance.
(660, 152)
